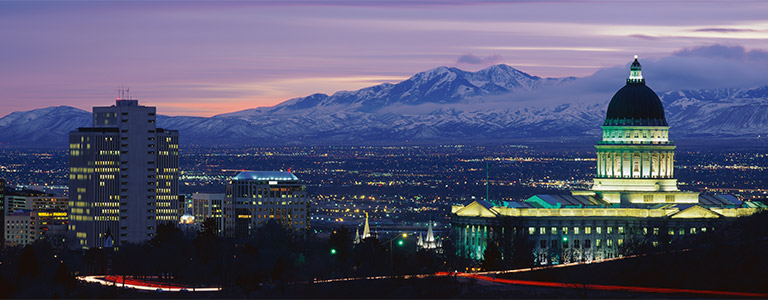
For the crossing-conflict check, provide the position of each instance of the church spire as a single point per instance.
(635, 72)
(366, 228)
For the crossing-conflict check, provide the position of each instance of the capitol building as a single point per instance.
(634, 197)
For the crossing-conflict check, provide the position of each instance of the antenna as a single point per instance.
(123, 93)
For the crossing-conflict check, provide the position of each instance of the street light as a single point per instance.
(399, 243)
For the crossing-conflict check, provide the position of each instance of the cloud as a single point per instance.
(703, 67)
(725, 52)
(644, 37)
(724, 30)
(472, 59)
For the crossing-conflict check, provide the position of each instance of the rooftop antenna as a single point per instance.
(123, 93)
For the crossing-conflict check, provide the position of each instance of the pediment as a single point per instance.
(476, 209)
(695, 212)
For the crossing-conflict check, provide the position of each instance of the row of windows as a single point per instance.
(578, 244)
(610, 230)
(576, 230)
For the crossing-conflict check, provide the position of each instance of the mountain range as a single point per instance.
(442, 105)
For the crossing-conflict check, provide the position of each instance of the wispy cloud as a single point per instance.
(644, 37)
(547, 48)
(726, 30)
(472, 59)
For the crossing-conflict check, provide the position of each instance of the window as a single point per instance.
(621, 229)
(554, 243)
(655, 230)
(693, 230)
(565, 230)
(609, 243)
(575, 230)
(542, 230)
(554, 230)
(599, 230)
(597, 243)
(576, 244)
(609, 230)
(587, 230)
(531, 230)
(543, 244)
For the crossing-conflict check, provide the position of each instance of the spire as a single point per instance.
(430, 235)
(357, 235)
(366, 228)
(635, 72)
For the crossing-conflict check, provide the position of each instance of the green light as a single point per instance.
(400, 242)
(565, 239)
(333, 251)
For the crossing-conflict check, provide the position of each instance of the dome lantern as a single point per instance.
(635, 104)
(635, 72)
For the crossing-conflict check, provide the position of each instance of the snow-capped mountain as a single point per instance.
(45, 127)
(443, 105)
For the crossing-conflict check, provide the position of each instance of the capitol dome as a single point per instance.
(635, 104)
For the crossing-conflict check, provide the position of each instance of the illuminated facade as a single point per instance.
(123, 176)
(255, 197)
(205, 206)
(634, 198)
(24, 227)
(19, 208)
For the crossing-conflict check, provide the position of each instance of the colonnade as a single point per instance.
(633, 163)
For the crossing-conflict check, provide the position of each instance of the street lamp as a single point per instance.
(399, 243)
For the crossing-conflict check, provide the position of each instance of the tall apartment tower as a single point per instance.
(124, 175)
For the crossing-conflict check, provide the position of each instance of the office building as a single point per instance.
(208, 206)
(24, 227)
(255, 197)
(123, 176)
(15, 199)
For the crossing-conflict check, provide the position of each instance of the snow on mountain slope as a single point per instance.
(444, 104)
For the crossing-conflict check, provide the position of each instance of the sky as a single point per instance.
(200, 58)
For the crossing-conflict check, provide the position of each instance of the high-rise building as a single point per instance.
(255, 197)
(208, 206)
(634, 199)
(123, 176)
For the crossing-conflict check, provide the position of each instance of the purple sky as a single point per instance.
(205, 58)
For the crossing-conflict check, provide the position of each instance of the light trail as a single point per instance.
(146, 286)
(603, 287)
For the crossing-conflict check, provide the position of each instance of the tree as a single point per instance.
(492, 257)
(209, 228)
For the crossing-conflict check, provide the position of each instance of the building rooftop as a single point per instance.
(265, 175)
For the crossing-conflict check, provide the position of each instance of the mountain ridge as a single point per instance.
(439, 105)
